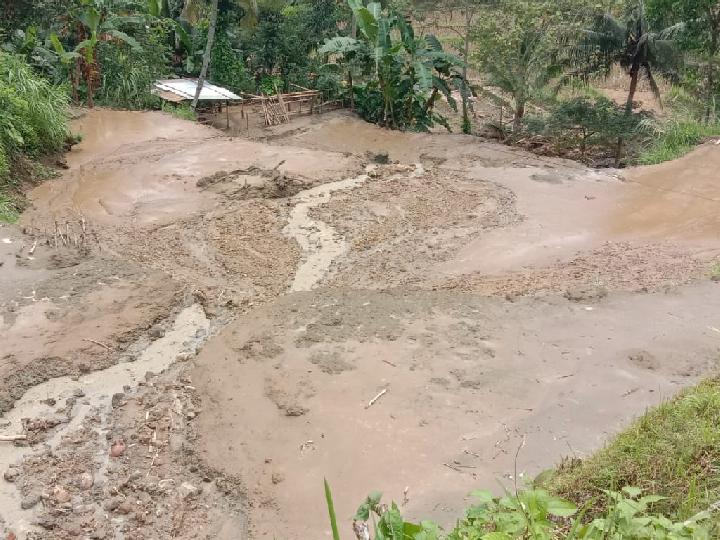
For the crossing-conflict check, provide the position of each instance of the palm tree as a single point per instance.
(635, 47)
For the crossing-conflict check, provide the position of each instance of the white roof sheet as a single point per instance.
(185, 88)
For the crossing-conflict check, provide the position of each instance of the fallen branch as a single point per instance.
(98, 343)
(12, 438)
(373, 400)
(388, 362)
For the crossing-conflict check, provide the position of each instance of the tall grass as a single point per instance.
(33, 121)
(675, 137)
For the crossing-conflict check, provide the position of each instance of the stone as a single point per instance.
(11, 474)
(30, 501)
(86, 481)
(156, 332)
(186, 490)
(60, 494)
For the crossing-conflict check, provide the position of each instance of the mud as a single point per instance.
(494, 296)
(464, 388)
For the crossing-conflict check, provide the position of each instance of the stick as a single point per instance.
(388, 362)
(32, 249)
(373, 400)
(98, 343)
(12, 438)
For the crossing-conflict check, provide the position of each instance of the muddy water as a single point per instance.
(674, 200)
(320, 242)
(186, 335)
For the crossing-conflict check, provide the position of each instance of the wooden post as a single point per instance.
(227, 114)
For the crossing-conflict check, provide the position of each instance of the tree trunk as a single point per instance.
(711, 73)
(208, 52)
(634, 76)
(352, 94)
(466, 54)
(519, 114)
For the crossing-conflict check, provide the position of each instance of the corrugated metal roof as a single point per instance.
(185, 89)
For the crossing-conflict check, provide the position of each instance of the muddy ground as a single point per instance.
(194, 325)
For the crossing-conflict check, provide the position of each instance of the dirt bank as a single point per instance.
(493, 294)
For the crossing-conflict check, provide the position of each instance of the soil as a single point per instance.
(195, 325)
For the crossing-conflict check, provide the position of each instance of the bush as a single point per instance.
(128, 74)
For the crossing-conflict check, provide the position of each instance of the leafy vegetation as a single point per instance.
(33, 122)
(538, 515)
(409, 74)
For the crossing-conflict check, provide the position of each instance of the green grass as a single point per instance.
(181, 110)
(675, 138)
(673, 450)
(8, 212)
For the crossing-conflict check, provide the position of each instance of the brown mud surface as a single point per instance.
(194, 324)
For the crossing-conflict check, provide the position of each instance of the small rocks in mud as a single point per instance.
(583, 293)
(644, 359)
(277, 478)
(186, 490)
(295, 410)
(117, 448)
(11, 474)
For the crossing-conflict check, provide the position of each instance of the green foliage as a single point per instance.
(518, 46)
(33, 121)
(181, 110)
(672, 451)
(129, 72)
(675, 137)
(538, 515)
(410, 73)
(331, 511)
(583, 122)
(227, 66)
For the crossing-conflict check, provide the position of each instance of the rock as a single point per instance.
(117, 400)
(86, 481)
(156, 331)
(30, 501)
(125, 507)
(186, 490)
(11, 474)
(78, 393)
(117, 448)
(295, 410)
(585, 292)
(112, 504)
(60, 494)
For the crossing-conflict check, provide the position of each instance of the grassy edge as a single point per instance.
(673, 450)
(675, 138)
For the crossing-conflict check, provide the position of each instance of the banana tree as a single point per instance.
(92, 24)
(410, 73)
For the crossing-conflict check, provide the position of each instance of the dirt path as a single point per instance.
(494, 295)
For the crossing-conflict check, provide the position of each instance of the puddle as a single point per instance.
(187, 334)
